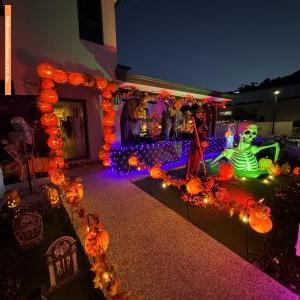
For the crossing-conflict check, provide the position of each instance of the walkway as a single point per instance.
(160, 255)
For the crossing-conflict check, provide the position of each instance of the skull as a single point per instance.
(248, 134)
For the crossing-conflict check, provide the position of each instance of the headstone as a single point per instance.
(28, 229)
(62, 261)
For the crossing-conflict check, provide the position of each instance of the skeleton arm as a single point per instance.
(275, 145)
(226, 153)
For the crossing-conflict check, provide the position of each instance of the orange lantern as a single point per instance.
(260, 221)
(60, 76)
(111, 87)
(108, 120)
(101, 83)
(106, 147)
(76, 78)
(103, 155)
(45, 70)
(57, 177)
(275, 170)
(296, 171)
(109, 138)
(44, 106)
(106, 94)
(52, 130)
(55, 142)
(96, 242)
(156, 172)
(49, 96)
(133, 161)
(56, 162)
(49, 119)
(194, 186)
(47, 83)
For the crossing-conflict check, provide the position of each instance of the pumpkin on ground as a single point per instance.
(133, 161)
(96, 242)
(275, 170)
(265, 164)
(226, 171)
(194, 186)
(296, 171)
(260, 222)
(286, 168)
(156, 172)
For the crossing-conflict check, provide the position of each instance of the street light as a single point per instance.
(276, 93)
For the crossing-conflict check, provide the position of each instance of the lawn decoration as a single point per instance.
(275, 170)
(296, 171)
(243, 157)
(265, 164)
(194, 186)
(286, 169)
(226, 171)
(260, 220)
(52, 195)
(12, 199)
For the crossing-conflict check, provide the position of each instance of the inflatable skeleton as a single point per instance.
(243, 157)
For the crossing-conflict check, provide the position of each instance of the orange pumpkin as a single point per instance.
(45, 70)
(226, 171)
(56, 162)
(101, 83)
(74, 192)
(156, 172)
(52, 195)
(260, 222)
(57, 177)
(107, 162)
(133, 161)
(286, 168)
(47, 83)
(56, 152)
(106, 94)
(49, 119)
(296, 171)
(177, 104)
(12, 198)
(55, 142)
(52, 130)
(49, 96)
(44, 106)
(76, 78)
(275, 170)
(108, 120)
(106, 147)
(111, 87)
(96, 242)
(103, 155)
(106, 106)
(60, 76)
(194, 186)
(109, 138)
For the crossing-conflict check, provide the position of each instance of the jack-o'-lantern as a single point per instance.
(76, 78)
(52, 130)
(44, 106)
(109, 138)
(60, 76)
(49, 120)
(177, 104)
(156, 172)
(286, 169)
(51, 194)
(226, 171)
(194, 186)
(204, 144)
(106, 147)
(275, 170)
(296, 171)
(49, 96)
(260, 221)
(108, 120)
(56, 162)
(74, 191)
(12, 199)
(111, 87)
(96, 242)
(106, 94)
(45, 70)
(106, 106)
(101, 83)
(57, 152)
(47, 83)
(55, 142)
(133, 161)
(265, 164)
(107, 162)
(103, 155)
(57, 177)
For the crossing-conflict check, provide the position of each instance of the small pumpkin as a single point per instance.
(44, 106)
(286, 168)
(49, 120)
(96, 242)
(76, 78)
(45, 70)
(275, 170)
(107, 162)
(49, 96)
(101, 83)
(260, 221)
(108, 120)
(12, 198)
(194, 186)
(60, 76)
(56, 162)
(133, 161)
(57, 177)
(296, 171)
(106, 147)
(52, 131)
(226, 171)
(265, 164)
(55, 142)
(109, 138)
(47, 83)
(103, 155)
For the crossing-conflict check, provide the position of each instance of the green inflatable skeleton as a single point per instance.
(243, 157)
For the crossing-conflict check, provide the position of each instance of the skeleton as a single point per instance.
(243, 157)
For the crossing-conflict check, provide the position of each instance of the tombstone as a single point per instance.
(62, 261)
(28, 229)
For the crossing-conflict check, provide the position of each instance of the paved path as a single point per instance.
(160, 255)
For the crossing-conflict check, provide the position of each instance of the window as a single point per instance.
(90, 20)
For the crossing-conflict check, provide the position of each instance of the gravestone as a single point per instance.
(62, 261)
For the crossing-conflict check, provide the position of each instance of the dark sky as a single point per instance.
(216, 44)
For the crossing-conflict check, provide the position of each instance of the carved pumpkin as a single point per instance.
(55, 142)
(133, 161)
(108, 120)
(49, 96)
(296, 171)
(12, 199)
(286, 169)
(109, 138)
(44, 106)
(52, 195)
(260, 221)
(52, 130)
(275, 170)
(103, 155)
(194, 186)
(57, 177)
(106, 94)
(101, 83)
(60, 76)
(47, 83)
(56, 162)
(106, 147)
(156, 172)
(76, 78)
(111, 87)
(106, 106)
(96, 242)
(74, 191)
(265, 164)
(45, 70)
(226, 171)
(107, 162)
(57, 152)
(49, 120)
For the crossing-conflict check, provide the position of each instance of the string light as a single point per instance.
(164, 185)
(243, 178)
(266, 181)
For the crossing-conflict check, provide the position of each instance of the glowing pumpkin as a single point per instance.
(275, 170)
(96, 242)
(106, 147)
(49, 96)
(47, 83)
(45, 70)
(194, 186)
(133, 161)
(103, 155)
(109, 138)
(106, 94)
(52, 130)
(296, 171)
(111, 87)
(52, 195)
(49, 119)
(74, 191)
(177, 104)
(101, 83)
(226, 171)
(108, 120)
(56, 162)
(107, 162)
(260, 222)
(265, 164)
(286, 169)
(44, 106)
(56, 152)
(57, 177)
(60, 76)
(156, 172)
(76, 78)
(55, 142)
(106, 106)
(12, 199)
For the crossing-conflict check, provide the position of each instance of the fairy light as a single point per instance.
(266, 181)
(243, 178)
(206, 200)
(245, 218)
(271, 177)
(164, 185)
(105, 276)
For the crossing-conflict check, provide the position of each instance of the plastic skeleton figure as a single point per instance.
(243, 157)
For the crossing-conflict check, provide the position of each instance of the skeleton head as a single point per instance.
(248, 134)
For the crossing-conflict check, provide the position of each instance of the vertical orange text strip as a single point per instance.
(7, 50)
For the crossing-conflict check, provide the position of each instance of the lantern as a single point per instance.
(286, 169)
(55, 142)
(156, 172)
(260, 221)
(60, 76)
(47, 83)
(226, 171)
(44, 106)
(52, 131)
(275, 170)
(49, 96)
(111, 87)
(296, 171)
(265, 164)
(49, 119)
(52, 195)
(76, 78)
(194, 186)
(45, 70)
(56, 162)
(109, 138)
(103, 155)
(96, 242)
(101, 83)
(57, 177)
(106, 147)
(12, 199)
(133, 161)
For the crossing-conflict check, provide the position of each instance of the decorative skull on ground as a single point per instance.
(243, 157)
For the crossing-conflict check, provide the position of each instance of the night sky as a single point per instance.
(214, 44)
